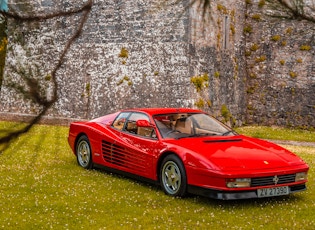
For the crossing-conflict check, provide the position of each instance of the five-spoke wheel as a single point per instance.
(173, 176)
(84, 153)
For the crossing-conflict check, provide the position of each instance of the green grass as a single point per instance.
(42, 187)
(277, 133)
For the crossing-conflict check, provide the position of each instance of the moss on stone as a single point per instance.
(261, 3)
(216, 74)
(123, 53)
(248, 29)
(256, 17)
(305, 47)
(293, 74)
(276, 38)
(262, 58)
(254, 47)
(200, 103)
(200, 81)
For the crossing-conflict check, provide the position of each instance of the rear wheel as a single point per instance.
(84, 152)
(173, 176)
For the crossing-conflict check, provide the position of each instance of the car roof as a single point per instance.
(154, 111)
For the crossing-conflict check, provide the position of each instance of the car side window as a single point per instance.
(131, 125)
(120, 120)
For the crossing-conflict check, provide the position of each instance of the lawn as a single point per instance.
(278, 133)
(42, 187)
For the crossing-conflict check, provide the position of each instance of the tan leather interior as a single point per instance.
(183, 125)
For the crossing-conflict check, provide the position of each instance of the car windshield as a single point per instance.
(185, 125)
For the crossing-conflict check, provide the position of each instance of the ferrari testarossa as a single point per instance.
(187, 151)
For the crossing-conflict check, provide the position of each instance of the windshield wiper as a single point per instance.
(227, 133)
(197, 135)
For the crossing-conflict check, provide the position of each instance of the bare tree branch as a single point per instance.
(13, 14)
(296, 9)
(32, 83)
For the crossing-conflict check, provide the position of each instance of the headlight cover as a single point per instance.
(238, 183)
(300, 176)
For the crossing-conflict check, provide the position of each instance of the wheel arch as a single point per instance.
(77, 139)
(160, 160)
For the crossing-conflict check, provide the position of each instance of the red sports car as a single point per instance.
(187, 151)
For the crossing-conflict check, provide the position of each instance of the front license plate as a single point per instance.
(277, 191)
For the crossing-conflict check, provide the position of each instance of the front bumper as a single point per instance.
(224, 195)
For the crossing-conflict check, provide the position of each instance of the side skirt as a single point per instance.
(126, 174)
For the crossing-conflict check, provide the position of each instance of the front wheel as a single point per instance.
(84, 152)
(173, 176)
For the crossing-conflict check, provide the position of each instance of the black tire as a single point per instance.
(173, 176)
(84, 153)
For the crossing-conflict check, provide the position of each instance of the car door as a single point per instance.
(113, 153)
(133, 151)
(141, 143)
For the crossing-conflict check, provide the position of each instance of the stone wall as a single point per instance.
(145, 54)
(217, 48)
(281, 68)
(95, 79)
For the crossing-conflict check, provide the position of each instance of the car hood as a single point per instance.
(236, 153)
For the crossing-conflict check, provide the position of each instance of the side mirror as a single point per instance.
(144, 123)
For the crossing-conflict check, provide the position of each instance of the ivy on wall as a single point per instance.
(279, 56)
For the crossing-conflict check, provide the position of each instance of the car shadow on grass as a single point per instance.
(292, 198)
(154, 187)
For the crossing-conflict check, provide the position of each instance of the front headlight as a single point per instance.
(300, 176)
(238, 183)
